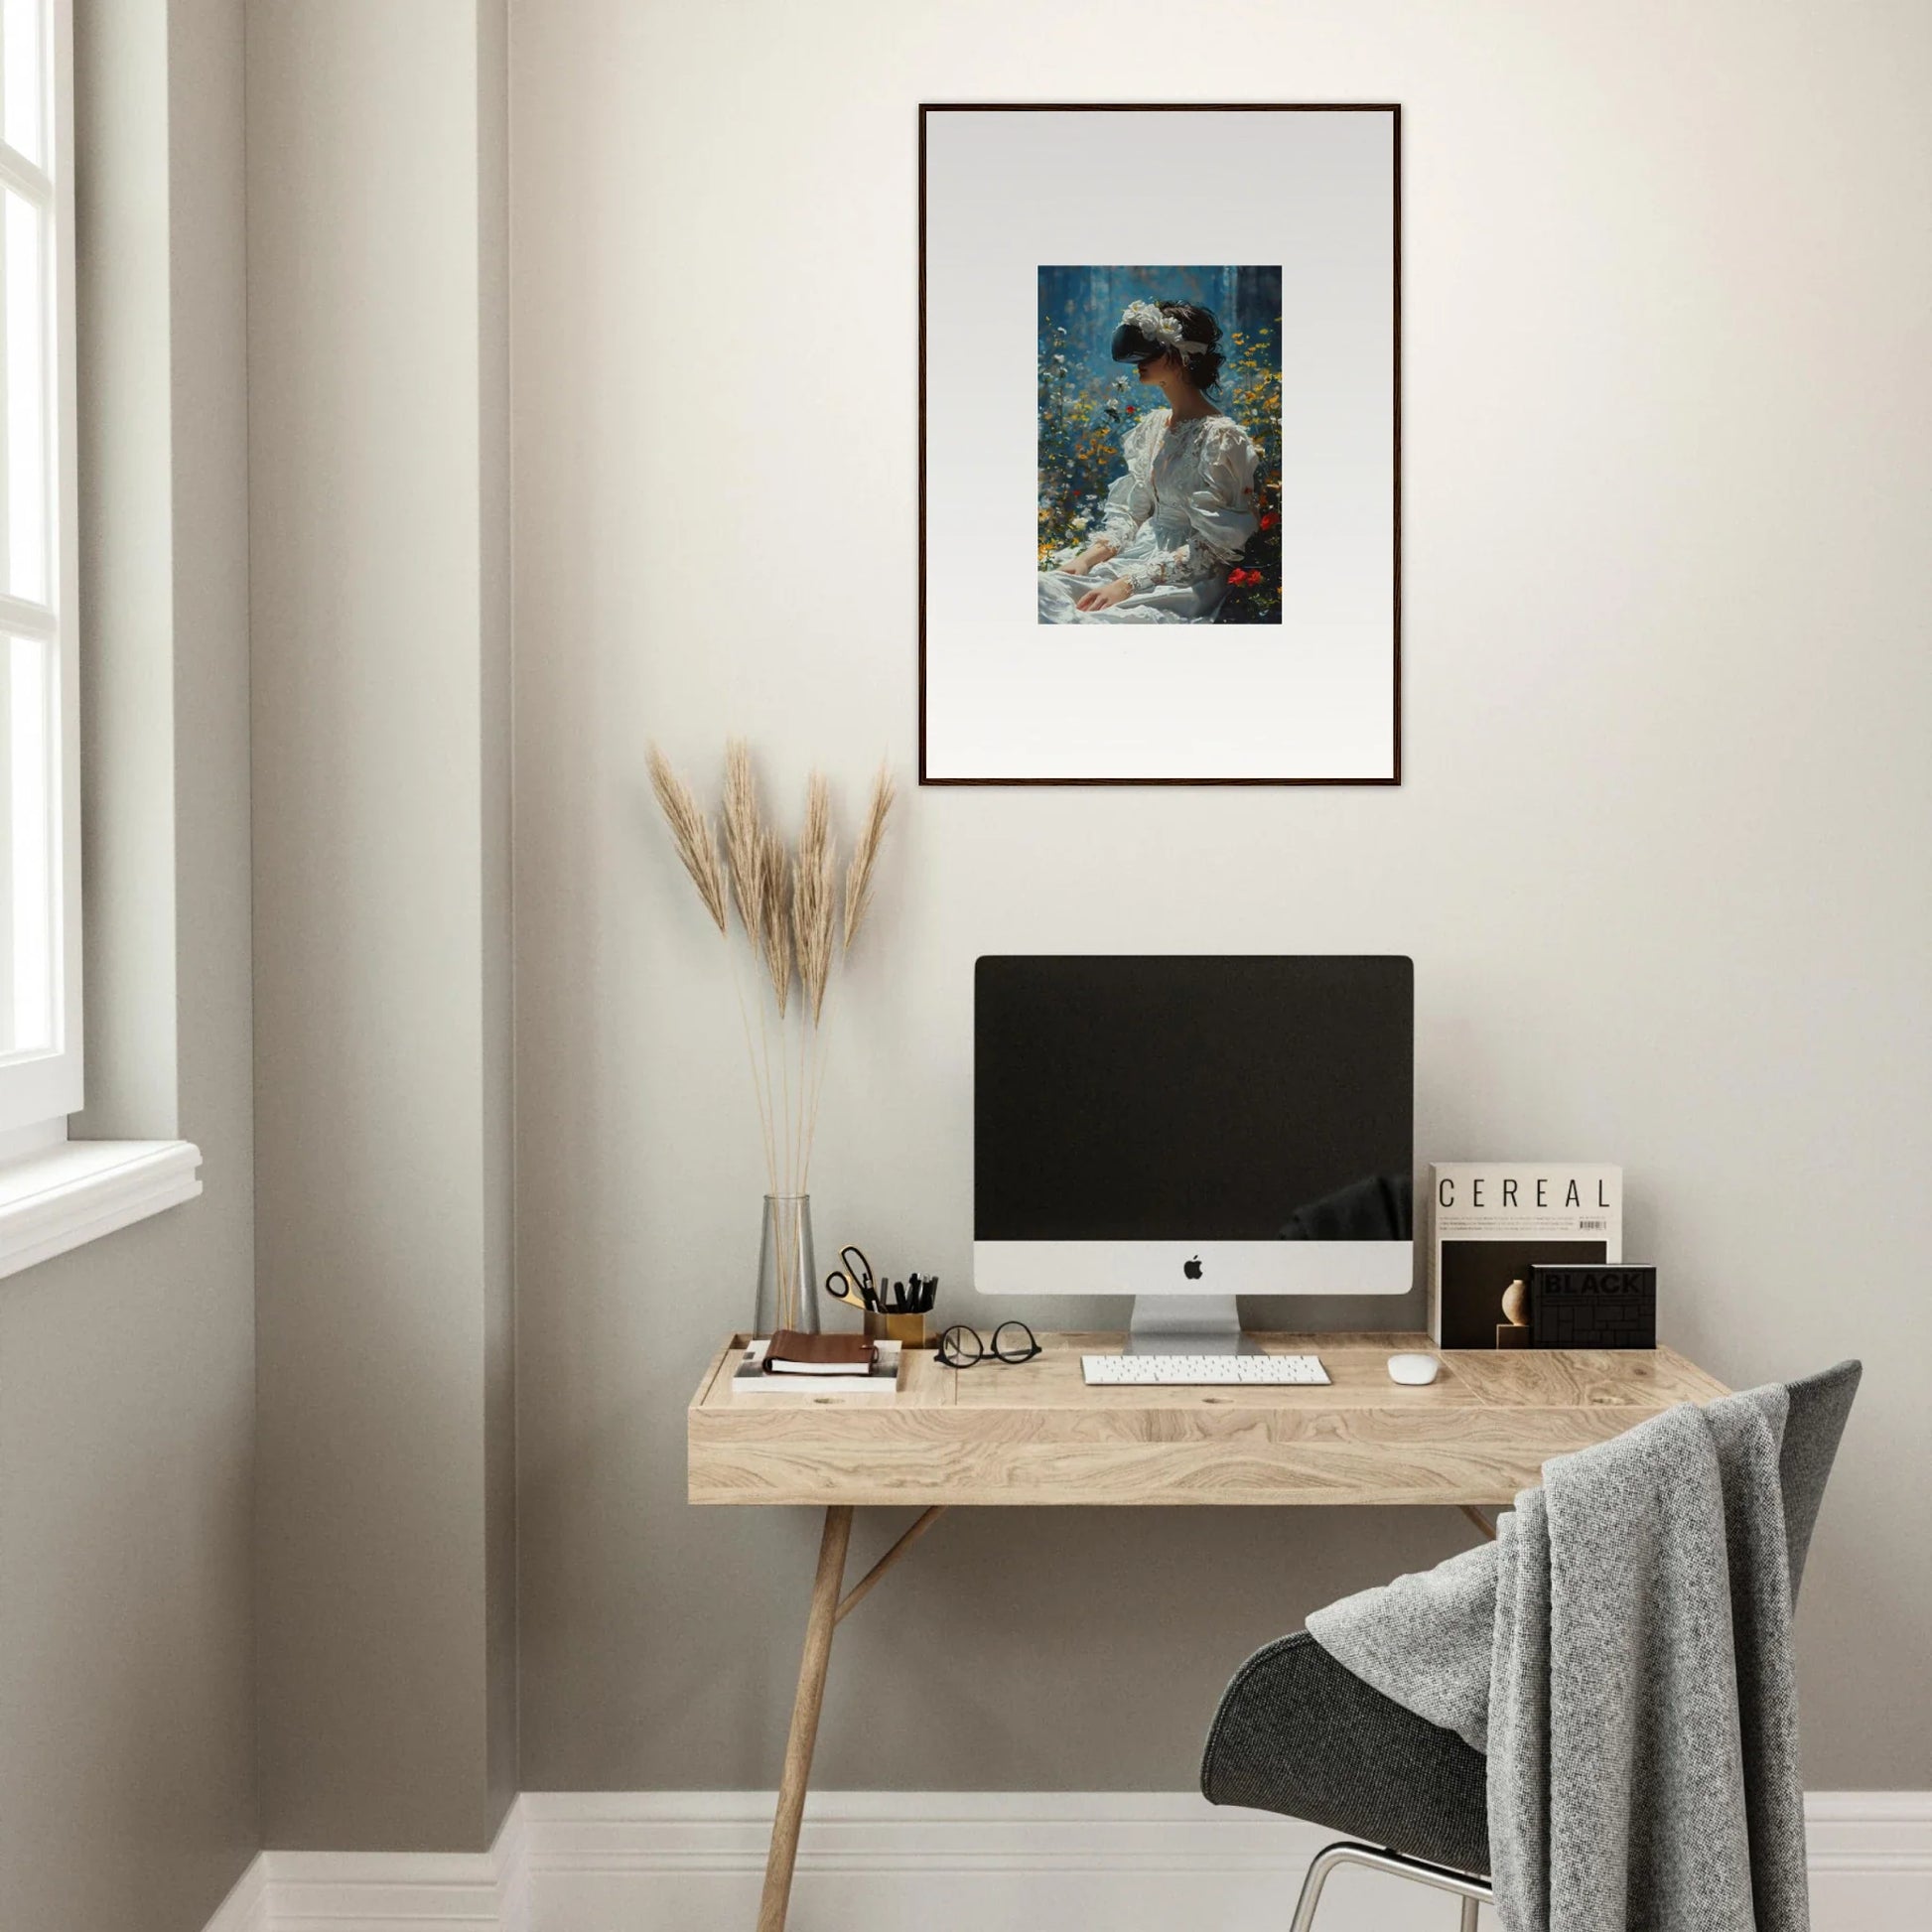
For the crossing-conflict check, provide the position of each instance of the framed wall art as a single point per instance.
(1160, 445)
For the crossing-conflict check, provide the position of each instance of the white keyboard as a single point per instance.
(1201, 1371)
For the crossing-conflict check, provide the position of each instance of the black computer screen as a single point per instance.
(1193, 1100)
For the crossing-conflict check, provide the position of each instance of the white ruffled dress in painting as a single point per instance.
(1177, 522)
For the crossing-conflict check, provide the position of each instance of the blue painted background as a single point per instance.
(1087, 304)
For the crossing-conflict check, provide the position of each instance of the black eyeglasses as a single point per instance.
(963, 1347)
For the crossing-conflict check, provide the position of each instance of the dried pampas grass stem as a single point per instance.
(858, 903)
(814, 897)
(865, 855)
(743, 840)
(774, 917)
(691, 833)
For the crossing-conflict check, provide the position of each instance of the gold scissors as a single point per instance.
(852, 1282)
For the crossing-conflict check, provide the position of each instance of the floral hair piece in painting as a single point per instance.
(1145, 329)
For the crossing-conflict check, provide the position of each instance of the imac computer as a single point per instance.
(1190, 1129)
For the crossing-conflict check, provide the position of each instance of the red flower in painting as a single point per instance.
(1268, 521)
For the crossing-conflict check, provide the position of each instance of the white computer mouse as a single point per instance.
(1413, 1369)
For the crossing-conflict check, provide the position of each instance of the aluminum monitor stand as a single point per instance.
(1186, 1324)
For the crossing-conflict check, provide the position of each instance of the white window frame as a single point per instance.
(39, 1088)
(57, 1193)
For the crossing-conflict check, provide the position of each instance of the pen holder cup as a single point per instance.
(907, 1330)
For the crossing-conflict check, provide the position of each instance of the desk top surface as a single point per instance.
(1034, 1433)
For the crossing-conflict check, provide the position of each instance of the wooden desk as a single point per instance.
(1034, 1433)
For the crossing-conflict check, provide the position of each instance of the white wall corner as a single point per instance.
(510, 1859)
(377, 1891)
(955, 1862)
(245, 1909)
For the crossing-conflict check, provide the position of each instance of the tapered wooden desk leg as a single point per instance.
(804, 1718)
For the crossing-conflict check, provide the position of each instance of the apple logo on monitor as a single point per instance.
(1192, 1269)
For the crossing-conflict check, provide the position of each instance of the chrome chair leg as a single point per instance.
(1471, 1890)
(1323, 1863)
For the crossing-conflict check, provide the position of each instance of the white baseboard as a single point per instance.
(386, 1891)
(245, 1909)
(1870, 1854)
(956, 1861)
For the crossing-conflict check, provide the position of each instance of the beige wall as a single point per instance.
(378, 549)
(1668, 444)
(127, 1792)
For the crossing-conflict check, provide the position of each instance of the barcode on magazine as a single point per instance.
(1599, 1225)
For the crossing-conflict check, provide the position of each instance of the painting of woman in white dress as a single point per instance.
(1215, 437)
(1158, 511)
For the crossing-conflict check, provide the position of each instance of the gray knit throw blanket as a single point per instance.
(1622, 1652)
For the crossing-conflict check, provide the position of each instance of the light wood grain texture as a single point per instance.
(1034, 1434)
(799, 1744)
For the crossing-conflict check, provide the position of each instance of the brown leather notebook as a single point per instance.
(794, 1354)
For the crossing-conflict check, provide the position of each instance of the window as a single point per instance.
(40, 872)
(55, 1194)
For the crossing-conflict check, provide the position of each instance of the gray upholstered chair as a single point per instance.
(1299, 1734)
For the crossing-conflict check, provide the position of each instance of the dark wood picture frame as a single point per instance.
(1392, 109)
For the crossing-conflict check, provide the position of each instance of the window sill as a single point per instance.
(78, 1191)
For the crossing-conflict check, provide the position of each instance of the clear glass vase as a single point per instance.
(787, 1271)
